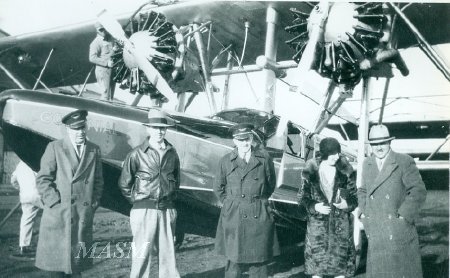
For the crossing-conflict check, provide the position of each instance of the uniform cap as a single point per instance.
(242, 131)
(75, 119)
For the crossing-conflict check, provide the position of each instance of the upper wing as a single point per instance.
(24, 56)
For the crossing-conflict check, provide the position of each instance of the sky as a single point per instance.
(423, 95)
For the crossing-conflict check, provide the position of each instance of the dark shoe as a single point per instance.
(25, 254)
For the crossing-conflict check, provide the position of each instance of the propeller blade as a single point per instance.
(318, 18)
(112, 26)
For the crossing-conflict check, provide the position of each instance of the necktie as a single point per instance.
(79, 151)
(379, 164)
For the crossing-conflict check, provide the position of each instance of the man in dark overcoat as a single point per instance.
(246, 231)
(70, 183)
(390, 197)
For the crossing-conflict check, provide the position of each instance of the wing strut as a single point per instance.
(272, 19)
(205, 68)
(363, 131)
(43, 69)
(11, 76)
(424, 45)
(226, 93)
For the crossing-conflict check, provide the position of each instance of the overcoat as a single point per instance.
(329, 247)
(396, 190)
(71, 191)
(246, 229)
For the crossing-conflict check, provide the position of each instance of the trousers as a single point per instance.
(29, 212)
(153, 232)
(105, 82)
(256, 270)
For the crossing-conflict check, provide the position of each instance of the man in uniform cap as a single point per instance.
(70, 183)
(246, 231)
(149, 181)
(101, 50)
(391, 195)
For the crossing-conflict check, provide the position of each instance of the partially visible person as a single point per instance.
(156, 98)
(329, 196)
(246, 233)
(390, 197)
(101, 50)
(70, 183)
(150, 180)
(24, 179)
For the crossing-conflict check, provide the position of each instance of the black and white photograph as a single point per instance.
(204, 139)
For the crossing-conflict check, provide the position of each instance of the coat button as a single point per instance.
(389, 216)
(243, 195)
(390, 237)
(86, 182)
(72, 201)
(387, 196)
(371, 197)
(245, 216)
(85, 204)
(256, 216)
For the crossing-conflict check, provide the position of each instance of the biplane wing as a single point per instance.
(24, 55)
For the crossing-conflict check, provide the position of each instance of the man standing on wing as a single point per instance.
(101, 50)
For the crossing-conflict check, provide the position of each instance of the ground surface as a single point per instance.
(196, 257)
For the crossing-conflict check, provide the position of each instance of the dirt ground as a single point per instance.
(196, 257)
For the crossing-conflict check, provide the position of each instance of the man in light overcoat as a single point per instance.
(390, 198)
(70, 183)
(246, 231)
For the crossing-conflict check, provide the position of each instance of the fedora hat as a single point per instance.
(379, 134)
(75, 119)
(158, 118)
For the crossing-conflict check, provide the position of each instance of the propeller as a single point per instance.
(115, 29)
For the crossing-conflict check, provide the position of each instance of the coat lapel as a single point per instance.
(86, 158)
(71, 155)
(388, 167)
(253, 162)
(233, 160)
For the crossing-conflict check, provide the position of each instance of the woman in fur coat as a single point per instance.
(329, 195)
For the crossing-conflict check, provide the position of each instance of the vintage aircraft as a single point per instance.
(162, 49)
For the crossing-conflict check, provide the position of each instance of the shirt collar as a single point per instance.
(146, 145)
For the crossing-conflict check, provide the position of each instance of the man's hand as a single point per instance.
(342, 204)
(95, 205)
(321, 208)
(14, 182)
(110, 64)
